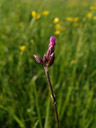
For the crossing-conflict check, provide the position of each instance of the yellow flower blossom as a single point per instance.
(93, 8)
(57, 32)
(76, 19)
(89, 15)
(35, 15)
(22, 48)
(58, 27)
(69, 19)
(94, 18)
(44, 13)
(56, 20)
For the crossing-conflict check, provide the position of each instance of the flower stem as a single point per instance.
(52, 95)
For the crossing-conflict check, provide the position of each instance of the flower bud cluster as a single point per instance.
(48, 58)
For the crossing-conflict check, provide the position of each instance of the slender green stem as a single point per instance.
(52, 95)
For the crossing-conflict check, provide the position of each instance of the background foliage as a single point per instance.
(24, 93)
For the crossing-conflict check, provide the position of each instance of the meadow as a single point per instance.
(25, 29)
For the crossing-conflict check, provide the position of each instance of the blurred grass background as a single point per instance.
(25, 100)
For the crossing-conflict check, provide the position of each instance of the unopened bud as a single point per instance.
(51, 59)
(48, 58)
(44, 59)
(38, 59)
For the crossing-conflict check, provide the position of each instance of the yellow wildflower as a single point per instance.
(76, 19)
(35, 15)
(22, 48)
(94, 18)
(56, 20)
(92, 8)
(44, 13)
(57, 32)
(58, 27)
(88, 15)
(69, 19)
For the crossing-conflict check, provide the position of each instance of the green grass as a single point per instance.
(25, 100)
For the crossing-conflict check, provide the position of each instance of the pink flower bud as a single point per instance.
(48, 58)
(38, 59)
(52, 41)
